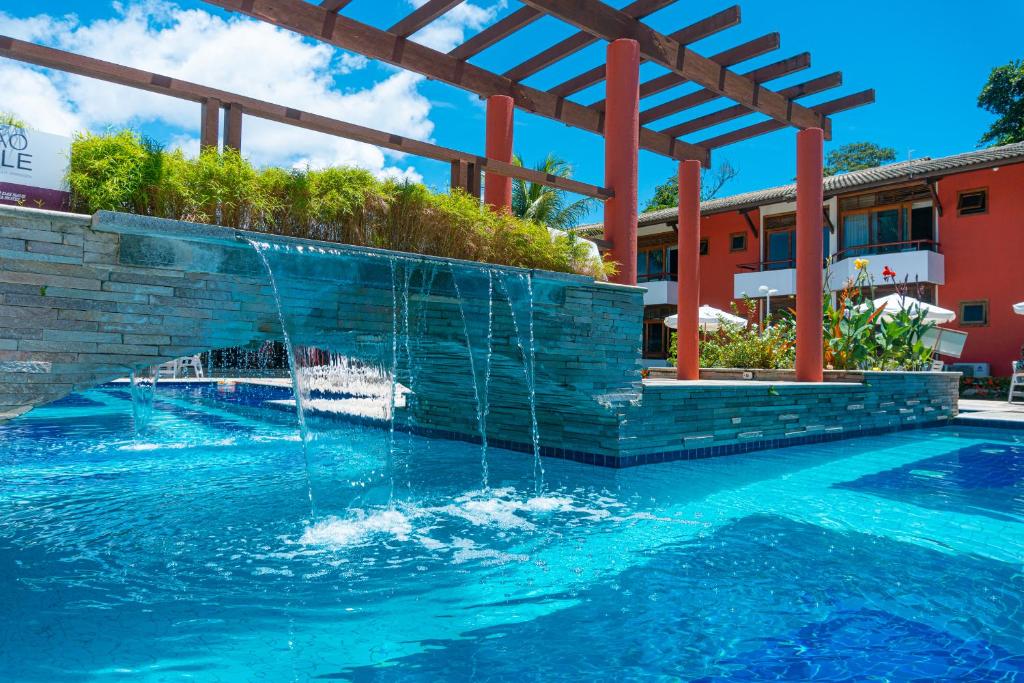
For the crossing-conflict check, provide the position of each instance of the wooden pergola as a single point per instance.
(617, 117)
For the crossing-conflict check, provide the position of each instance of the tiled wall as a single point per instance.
(86, 299)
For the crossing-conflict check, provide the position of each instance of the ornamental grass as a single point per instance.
(124, 171)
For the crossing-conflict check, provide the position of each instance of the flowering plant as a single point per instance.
(859, 335)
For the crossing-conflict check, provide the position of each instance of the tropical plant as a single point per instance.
(125, 172)
(856, 156)
(860, 336)
(1003, 95)
(736, 345)
(548, 206)
(666, 195)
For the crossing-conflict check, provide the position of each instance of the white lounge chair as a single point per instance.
(1016, 382)
(179, 367)
(194, 363)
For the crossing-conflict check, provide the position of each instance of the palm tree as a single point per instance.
(547, 205)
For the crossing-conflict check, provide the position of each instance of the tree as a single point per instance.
(1003, 95)
(666, 195)
(856, 156)
(547, 205)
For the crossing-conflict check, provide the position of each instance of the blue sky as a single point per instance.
(927, 62)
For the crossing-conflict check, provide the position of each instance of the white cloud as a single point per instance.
(236, 54)
(449, 29)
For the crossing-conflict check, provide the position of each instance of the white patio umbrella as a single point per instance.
(710, 318)
(893, 303)
(1019, 308)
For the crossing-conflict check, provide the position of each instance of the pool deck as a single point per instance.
(990, 414)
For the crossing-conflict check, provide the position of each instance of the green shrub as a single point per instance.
(735, 345)
(126, 172)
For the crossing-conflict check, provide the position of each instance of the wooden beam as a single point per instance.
(750, 223)
(833, 80)
(495, 32)
(760, 75)
(825, 109)
(734, 55)
(348, 34)
(335, 6)
(233, 127)
(421, 16)
(691, 34)
(209, 123)
(935, 195)
(184, 90)
(603, 21)
(577, 41)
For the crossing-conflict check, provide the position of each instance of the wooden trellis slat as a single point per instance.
(213, 99)
(603, 21)
(727, 18)
(825, 109)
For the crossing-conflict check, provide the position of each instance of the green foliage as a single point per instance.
(735, 345)
(666, 195)
(857, 336)
(9, 120)
(126, 172)
(1003, 95)
(856, 156)
(548, 205)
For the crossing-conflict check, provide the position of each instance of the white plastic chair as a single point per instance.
(195, 363)
(1016, 382)
(168, 369)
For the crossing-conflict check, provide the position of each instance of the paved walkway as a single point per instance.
(991, 413)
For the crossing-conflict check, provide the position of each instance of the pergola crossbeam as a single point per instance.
(760, 75)
(727, 18)
(577, 41)
(335, 5)
(348, 34)
(825, 109)
(421, 16)
(496, 32)
(833, 80)
(757, 47)
(603, 21)
(213, 99)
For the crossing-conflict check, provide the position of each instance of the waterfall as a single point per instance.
(481, 397)
(296, 376)
(526, 352)
(143, 391)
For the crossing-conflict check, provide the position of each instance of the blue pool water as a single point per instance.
(189, 553)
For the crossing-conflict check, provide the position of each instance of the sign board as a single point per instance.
(32, 168)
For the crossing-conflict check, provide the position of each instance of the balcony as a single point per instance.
(917, 260)
(659, 292)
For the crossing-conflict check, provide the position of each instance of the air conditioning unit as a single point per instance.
(970, 369)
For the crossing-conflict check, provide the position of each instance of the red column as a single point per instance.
(621, 143)
(809, 197)
(688, 286)
(498, 188)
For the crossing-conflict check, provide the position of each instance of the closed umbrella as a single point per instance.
(709, 318)
(894, 303)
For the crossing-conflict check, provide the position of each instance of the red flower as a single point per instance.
(888, 272)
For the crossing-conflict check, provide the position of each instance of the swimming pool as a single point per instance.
(189, 552)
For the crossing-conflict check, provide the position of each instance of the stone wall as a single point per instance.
(87, 299)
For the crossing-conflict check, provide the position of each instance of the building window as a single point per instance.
(895, 220)
(738, 241)
(704, 247)
(974, 313)
(970, 202)
(655, 339)
(656, 263)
